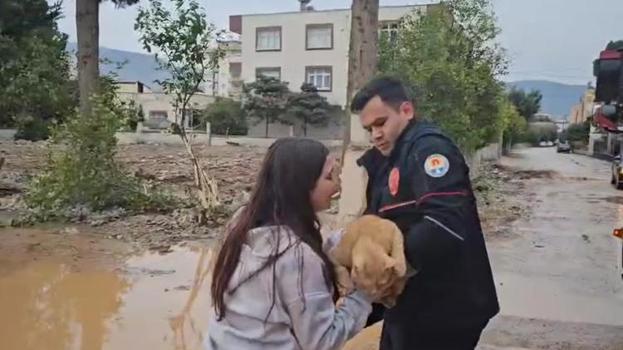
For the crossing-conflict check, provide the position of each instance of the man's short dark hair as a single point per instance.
(392, 92)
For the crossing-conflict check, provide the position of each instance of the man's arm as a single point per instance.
(441, 186)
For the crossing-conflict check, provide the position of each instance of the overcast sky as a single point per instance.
(546, 39)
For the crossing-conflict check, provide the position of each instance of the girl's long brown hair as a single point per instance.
(281, 197)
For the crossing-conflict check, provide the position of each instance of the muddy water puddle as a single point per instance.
(80, 292)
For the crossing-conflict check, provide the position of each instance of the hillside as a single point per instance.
(558, 98)
(138, 66)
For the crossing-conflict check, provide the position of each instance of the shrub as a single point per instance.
(82, 171)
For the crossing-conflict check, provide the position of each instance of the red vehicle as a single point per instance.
(608, 70)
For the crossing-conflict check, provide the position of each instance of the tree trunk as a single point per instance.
(207, 189)
(363, 53)
(87, 25)
(266, 131)
(305, 128)
(362, 66)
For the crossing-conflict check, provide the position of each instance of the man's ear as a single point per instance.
(408, 109)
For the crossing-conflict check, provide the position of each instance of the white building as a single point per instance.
(304, 46)
(158, 106)
(227, 82)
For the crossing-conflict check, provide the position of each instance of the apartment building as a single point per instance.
(304, 46)
(584, 109)
(158, 106)
(226, 81)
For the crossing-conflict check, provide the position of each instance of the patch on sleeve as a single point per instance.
(394, 181)
(436, 165)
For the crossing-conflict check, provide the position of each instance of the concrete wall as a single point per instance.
(170, 139)
(294, 57)
(154, 102)
(491, 152)
(331, 131)
(7, 134)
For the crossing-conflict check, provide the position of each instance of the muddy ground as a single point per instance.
(118, 281)
(168, 167)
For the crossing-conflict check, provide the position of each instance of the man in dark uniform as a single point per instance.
(418, 178)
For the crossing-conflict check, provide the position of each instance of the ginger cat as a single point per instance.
(371, 252)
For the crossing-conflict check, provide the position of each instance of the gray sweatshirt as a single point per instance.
(303, 316)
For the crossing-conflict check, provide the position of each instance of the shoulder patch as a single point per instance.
(394, 181)
(436, 165)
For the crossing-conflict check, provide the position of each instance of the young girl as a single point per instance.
(273, 285)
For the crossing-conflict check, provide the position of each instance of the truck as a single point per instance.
(608, 116)
(608, 70)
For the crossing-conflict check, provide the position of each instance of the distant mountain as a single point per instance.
(558, 98)
(138, 66)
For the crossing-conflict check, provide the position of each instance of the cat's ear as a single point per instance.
(389, 263)
(392, 265)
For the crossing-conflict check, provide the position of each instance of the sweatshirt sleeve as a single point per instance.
(317, 323)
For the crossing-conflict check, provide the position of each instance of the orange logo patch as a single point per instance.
(394, 181)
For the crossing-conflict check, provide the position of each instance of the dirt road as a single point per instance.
(556, 266)
(557, 271)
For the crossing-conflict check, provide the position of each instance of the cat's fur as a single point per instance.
(371, 255)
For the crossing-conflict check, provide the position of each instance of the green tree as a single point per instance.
(542, 131)
(226, 117)
(82, 171)
(578, 132)
(309, 108)
(450, 58)
(266, 99)
(527, 104)
(87, 28)
(35, 85)
(514, 125)
(184, 43)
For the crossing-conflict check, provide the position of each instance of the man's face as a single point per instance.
(385, 123)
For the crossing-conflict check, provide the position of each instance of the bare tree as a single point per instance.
(87, 26)
(363, 52)
(362, 66)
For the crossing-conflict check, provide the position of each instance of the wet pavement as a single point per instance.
(559, 267)
(59, 301)
(561, 262)
(556, 271)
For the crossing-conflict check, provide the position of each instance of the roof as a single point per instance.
(132, 82)
(333, 10)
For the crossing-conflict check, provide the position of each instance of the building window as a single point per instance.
(320, 77)
(269, 72)
(157, 115)
(319, 37)
(235, 70)
(268, 39)
(389, 30)
(157, 120)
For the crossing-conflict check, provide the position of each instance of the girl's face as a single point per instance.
(327, 186)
